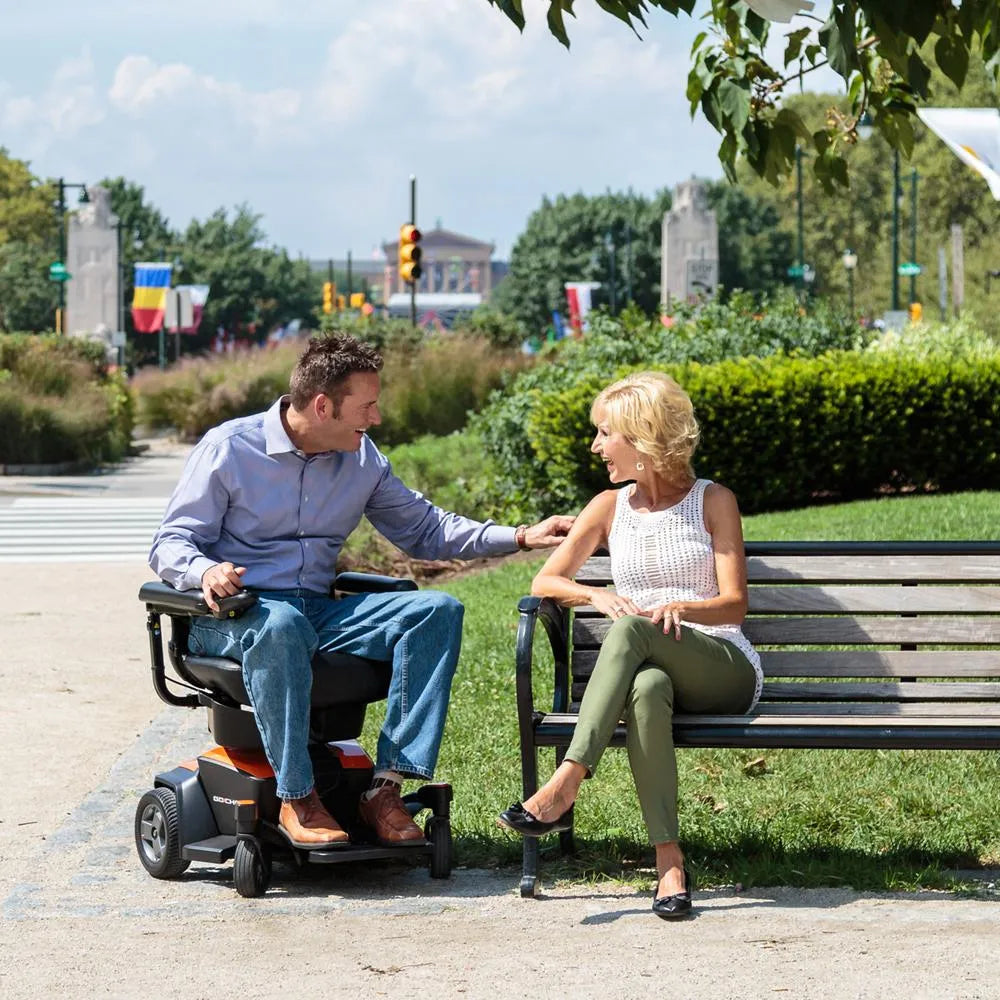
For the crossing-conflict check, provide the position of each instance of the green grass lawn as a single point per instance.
(868, 819)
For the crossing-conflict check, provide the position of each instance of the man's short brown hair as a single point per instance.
(325, 366)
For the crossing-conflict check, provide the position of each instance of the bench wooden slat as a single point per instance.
(842, 568)
(866, 691)
(941, 663)
(879, 599)
(827, 715)
(856, 713)
(845, 631)
(880, 691)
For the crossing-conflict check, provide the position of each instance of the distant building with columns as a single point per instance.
(451, 263)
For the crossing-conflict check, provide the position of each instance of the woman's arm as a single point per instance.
(722, 519)
(589, 532)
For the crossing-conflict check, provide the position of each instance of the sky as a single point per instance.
(316, 112)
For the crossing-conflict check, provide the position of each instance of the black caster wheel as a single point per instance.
(251, 868)
(157, 834)
(438, 831)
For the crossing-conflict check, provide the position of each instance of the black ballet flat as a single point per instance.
(518, 819)
(676, 906)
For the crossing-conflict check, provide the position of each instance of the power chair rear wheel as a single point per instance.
(251, 867)
(438, 831)
(157, 834)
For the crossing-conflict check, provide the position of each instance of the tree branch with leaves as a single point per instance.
(877, 47)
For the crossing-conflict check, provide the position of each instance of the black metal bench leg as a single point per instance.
(529, 873)
(529, 785)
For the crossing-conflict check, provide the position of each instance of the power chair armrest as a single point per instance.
(161, 598)
(371, 583)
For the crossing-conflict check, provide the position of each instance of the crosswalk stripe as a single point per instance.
(78, 529)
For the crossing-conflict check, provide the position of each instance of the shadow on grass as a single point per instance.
(747, 862)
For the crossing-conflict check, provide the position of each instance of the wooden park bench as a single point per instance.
(864, 645)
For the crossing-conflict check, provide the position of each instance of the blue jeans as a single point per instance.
(419, 631)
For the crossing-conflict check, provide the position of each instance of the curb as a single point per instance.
(47, 468)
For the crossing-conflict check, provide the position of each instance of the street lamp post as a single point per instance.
(61, 210)
(800, 249)
(850, 261)
(609, 242)
(896, 194)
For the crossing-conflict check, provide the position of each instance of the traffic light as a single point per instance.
(327, 296)
(916, 312)
(357, 300)
(340, 301)
(409, 253)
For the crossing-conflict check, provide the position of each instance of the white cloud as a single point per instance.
(143, 89)
(68, 105)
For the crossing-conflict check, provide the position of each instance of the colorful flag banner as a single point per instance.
(190, 300)
(150, 300)
(578, 302)
(973, 135)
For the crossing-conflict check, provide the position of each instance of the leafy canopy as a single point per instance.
(878, 48)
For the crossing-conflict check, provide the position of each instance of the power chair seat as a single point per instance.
(224, 805)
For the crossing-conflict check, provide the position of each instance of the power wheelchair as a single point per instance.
(224, 806)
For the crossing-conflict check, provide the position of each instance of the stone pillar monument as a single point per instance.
(689, 264)
(92, 260)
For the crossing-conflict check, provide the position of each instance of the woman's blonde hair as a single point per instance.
(655, 414)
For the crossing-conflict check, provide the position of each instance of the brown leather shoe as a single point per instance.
(306, 823)
(385, 813)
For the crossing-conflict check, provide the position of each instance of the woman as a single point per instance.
(675, 642)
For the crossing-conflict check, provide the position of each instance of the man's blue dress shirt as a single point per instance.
(249, 497)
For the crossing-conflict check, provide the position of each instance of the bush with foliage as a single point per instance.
(709, 332)
(786, 431)
(428, 387)
(59, 403)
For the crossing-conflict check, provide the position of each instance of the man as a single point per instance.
(265, 503)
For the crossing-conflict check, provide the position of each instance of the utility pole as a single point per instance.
(413, 222)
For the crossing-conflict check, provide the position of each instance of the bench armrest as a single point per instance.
(161, 598)
(371, 583)
(555, 620)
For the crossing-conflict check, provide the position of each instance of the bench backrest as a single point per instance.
(916, 624)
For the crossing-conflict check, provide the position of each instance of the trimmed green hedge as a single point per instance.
(58, 402)
(788, 431)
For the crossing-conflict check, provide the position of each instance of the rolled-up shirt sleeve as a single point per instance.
(193, 520)
(421, 529)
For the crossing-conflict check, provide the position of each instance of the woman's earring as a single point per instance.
(639, 467)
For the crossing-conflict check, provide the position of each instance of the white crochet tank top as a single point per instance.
(667, 555)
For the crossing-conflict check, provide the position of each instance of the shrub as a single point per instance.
(784, 431)
(427, 388)
(706, 333)
(58, 403)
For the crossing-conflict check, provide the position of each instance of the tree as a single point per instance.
(28, 299)
(253, 287)
(613, 239)
(880, 48)
(754, 251)
(27, 205)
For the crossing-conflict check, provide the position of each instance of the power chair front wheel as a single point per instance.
(157, 835)
(438, 831)
(251, 867)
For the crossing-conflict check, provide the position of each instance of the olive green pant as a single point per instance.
(641, 677)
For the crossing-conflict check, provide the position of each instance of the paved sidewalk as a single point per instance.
(82, 733)
(151, 473)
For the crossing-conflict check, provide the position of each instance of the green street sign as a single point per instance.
(909, 269)
(796, 271)
(58, 272)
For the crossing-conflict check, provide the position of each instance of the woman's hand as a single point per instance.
(671, 615)
(613, 605)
